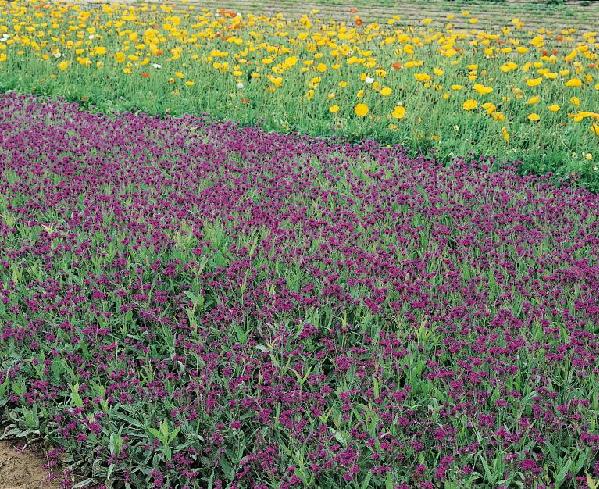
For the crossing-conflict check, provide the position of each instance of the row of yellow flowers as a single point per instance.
(531, 89)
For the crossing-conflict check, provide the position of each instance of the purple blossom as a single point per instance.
(290, 309)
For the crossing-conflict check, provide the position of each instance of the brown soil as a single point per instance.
(580, 14)
(23, 468)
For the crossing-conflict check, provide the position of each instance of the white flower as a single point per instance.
(369, 80)
(156, 65)
(91, 36)
(240, 85)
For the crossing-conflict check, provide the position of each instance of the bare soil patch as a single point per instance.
(23, 468)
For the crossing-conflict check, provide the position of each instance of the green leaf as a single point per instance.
(561, 475)
(75, 397)
(389, 481)
(366, 481)
(227, 468)
(341, 437)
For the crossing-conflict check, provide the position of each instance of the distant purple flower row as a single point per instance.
(194, 305)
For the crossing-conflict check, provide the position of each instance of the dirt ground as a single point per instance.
(23, 468)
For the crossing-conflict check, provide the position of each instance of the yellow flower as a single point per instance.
(456, 87)
(482, 89)
(386, 91)
(509, 66)
(595, 129)
(63, 65)
(438, 71)
(290, 62)
(553, 108)
(535, 99)
(119, 57)
(333, 109)
(574, 83)
(533, 117)
(580, 116)
(399, 112)
(575, 101)
(361, 110)
(538, 41)
(189, 83)
(180, 74)
(489, 107)
(470, 104)
(422, 77)
(343, 84)
(498, 116)
(321, 67)
(533, 82)
(277, 81)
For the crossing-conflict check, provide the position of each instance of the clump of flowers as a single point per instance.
(185, 304)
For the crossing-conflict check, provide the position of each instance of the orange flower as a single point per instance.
(227, 13)
(145, 75)
(358, 21)
(396, 65)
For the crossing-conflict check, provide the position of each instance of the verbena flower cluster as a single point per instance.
(185, 304)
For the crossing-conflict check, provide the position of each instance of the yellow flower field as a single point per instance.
(508, 92)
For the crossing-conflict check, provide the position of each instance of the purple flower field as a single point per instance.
(185, 304)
